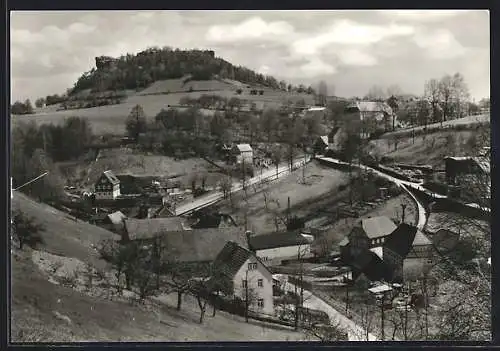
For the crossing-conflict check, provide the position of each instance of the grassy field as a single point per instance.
(126, 161)
(425, 149)
(479, 119)
(319, 181)
(111, 118)
(43, 310)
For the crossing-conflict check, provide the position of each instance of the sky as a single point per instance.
(350, 50)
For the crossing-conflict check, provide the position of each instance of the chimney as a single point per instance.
(248, 234)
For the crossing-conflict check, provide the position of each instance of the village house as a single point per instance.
(275, 247)
(405, 254)
(249, 276)
(464, 171)
(181, 243)
(369, 117)
(107, 186)
(242, 153)
(366, 234)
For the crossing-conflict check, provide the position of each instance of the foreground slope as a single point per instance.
(44, 311)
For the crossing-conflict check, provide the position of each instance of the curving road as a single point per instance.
(354, 331)
(210, 199)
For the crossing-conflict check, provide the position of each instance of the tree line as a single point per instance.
(35, 148)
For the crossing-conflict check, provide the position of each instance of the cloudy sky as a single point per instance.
(350, 50)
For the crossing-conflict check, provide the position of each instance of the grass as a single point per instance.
(44, 311)
(426, 149)
(125, 161)
(302, 196)
(62, 235)
(469, 120)
(111, 118)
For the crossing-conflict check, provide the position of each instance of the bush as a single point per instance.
(26, 230)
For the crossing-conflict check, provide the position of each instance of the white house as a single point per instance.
(278, 246)
(243, 154)
(249, 275)
(107, 186)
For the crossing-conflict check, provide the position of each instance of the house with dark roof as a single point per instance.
(405, 254)
(366, 234)
(274, 247)
(246, 271)
(107, 186)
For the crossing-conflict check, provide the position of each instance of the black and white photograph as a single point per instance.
(250, 175)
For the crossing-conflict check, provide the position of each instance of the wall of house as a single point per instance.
(283, 252)
(265, 292)
(246, 157)
(413, 268)
(105, 190)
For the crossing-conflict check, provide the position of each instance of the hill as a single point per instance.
(155, 64)
(44, 310)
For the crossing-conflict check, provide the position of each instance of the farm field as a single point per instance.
(110, 119)
(301, 195)
(43, 310)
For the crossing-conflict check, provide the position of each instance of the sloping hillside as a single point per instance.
(45, 311)
(428, 148)
(184, 85)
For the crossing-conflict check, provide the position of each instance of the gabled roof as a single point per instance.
(144, 228)
(324, 139)
(371, 106)
(278, 239)
(344, 241)
(244, 147)
(111, 177)
(401, 239)
(377, 227)
(232, 257)
(421, 239)
(116, 217)
(199, 245)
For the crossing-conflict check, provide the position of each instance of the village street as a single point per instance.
(355, 331)
(210, 199)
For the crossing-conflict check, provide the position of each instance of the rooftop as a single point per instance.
(376, 227)
(111, 177)
(147, 228)
(244, 147)
(278, 239)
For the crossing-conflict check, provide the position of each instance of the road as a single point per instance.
(210, 199)
(355, 331)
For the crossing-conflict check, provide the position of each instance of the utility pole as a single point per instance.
(382, 317)
(346, 295)
(403, 208)
(288, 212)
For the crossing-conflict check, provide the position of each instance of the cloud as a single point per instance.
(351, 33)
(355, 57)
(316, 67)
(439, 44)
(422, 15)
(250, 29)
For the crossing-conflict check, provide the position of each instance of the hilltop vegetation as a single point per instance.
(154, 64)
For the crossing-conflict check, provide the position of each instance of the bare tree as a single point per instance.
(226, 185)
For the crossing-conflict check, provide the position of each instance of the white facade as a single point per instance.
(260, 285)
(108, 194)
(283, 252)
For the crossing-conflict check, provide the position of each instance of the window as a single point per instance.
(244, 283)
(252, 266)
(260, 283)
(260, 303)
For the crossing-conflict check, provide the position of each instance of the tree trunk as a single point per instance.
(179, 300)
(202, 308)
